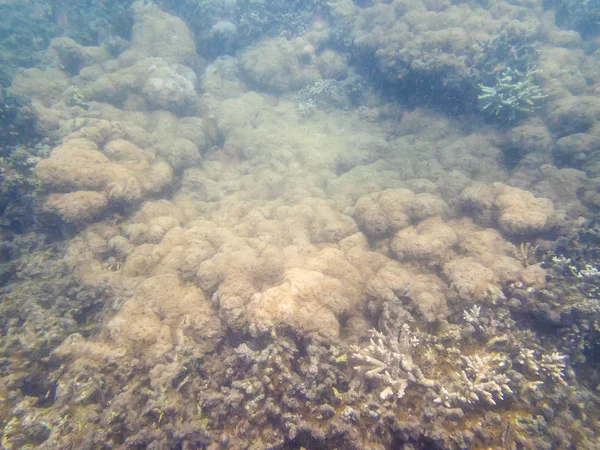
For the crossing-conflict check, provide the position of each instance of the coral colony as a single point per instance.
(283, 224)
(514, 94)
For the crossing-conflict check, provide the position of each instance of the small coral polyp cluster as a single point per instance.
(232, 272)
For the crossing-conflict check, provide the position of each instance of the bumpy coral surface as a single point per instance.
(291, 281)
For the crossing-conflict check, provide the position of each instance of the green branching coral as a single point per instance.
(514, 95)
(497, 66)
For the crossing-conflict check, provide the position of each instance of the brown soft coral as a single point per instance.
(44, 86)
(263, 272)
(424, 37)
(165, 315)
(521, 213)
(486, 264)
(431, 241)
(314, 221)
(312, 298)
(515, 211)
(156, 33)
(251, 272)
(470, 279)
(385, 212)
(121, 172)
(72, 57)
(165, 318)
(420, 293)
(147, 83)
(476, 263)
(79, 164)
(281, 65)
(77, 207)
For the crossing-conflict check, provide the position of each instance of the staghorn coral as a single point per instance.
(481, 379)
(472, 315)
(514, 95)
(388, 361)
(550, 366)
(512, 47)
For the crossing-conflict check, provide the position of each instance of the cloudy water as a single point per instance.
(269, 224)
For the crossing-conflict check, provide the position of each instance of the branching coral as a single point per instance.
(514, 94)
(472, 315)
(548, 366)
(481, 379)
(388, 361)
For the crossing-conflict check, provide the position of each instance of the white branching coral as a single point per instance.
(388, 361)
(548, 366)
(472, 315)
(589, 272)
(553, 366)
(480, 379)
(526, 253)
(527, 358)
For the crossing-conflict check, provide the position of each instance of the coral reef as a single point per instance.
(221, 271)
(315, 96)
(513, 47)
